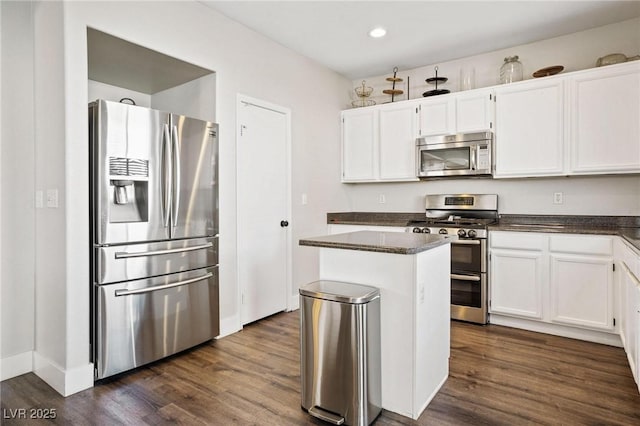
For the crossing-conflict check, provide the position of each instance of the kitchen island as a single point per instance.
(412, 273)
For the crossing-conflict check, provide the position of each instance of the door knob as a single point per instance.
(284, 223)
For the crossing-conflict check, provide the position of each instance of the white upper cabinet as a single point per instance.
(474, 111)
(359, 145)
(378, 143)
(437, 116)
(582, 123)
(529, 137)
(456, 113)
(398, 133)
(604, 113)
(587, 122)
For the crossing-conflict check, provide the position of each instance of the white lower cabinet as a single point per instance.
(555, 283)
(582, 291)
(629, 305)
(516, 283)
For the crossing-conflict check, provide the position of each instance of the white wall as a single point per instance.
(195, 98)
(98, 90)
(609, 195)
(17, 180)
(209, 40)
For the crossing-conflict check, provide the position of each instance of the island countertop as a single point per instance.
(383, 242)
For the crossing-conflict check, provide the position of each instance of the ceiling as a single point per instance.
(117, 62)
(335, 33)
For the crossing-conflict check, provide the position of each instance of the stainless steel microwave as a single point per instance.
(462, 154)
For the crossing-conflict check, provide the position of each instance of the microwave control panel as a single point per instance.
(484, 158)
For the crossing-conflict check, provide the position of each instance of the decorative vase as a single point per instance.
(511, 70)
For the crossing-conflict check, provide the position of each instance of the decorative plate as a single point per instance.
(544, 72)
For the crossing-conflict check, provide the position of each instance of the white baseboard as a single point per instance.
(611, 339)
(65, 382)
(229, 325)
(419, 412)
(16, 365)
(294, 303)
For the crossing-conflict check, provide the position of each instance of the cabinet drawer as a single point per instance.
(581, 244)
(517, 240)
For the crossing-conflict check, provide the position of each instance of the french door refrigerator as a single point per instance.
(154, 237)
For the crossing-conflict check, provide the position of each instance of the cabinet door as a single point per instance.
(529, 129)
(581, 291)
(359, 142)
(631, 329)
(516, 283)
(437, 116)
(605, 120)
(635, 355)
(398, 132)
(630, 309)
(474, 111)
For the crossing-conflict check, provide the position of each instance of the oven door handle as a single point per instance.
(467, 242)
(465, 277)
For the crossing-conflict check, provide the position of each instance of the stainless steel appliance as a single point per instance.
(462, 154)
(154, 238)
(467, 216)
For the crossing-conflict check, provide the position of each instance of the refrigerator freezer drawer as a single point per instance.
(145, 320)
(137, 261)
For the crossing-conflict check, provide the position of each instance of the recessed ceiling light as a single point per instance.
(377, 32)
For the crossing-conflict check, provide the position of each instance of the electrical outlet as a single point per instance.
(382, 199)
(558, 198)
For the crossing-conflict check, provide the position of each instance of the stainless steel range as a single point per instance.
(467, 216)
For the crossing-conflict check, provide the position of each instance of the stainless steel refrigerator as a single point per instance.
(154, 236)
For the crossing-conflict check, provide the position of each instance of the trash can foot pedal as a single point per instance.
(325, 415)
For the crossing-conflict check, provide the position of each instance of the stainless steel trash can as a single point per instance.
(340, 352)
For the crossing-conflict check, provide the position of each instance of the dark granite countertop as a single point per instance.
(373, 219)
(627, 227)
(382, 242)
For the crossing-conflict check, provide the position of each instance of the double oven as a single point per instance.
(466, 216)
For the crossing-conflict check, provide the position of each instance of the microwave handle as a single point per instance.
(474, 155)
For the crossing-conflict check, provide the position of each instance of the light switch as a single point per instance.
(52, 198)
(304, 199)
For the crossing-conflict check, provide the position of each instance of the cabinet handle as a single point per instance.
(465, 277)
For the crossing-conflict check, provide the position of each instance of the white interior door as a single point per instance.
(263, 164)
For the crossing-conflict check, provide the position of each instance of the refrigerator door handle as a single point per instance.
(162, 287)
(166, 176)
(176, 176)
(126, 255)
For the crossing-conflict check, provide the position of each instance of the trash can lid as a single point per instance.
(339, 291)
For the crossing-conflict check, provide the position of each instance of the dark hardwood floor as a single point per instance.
(498, 376)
